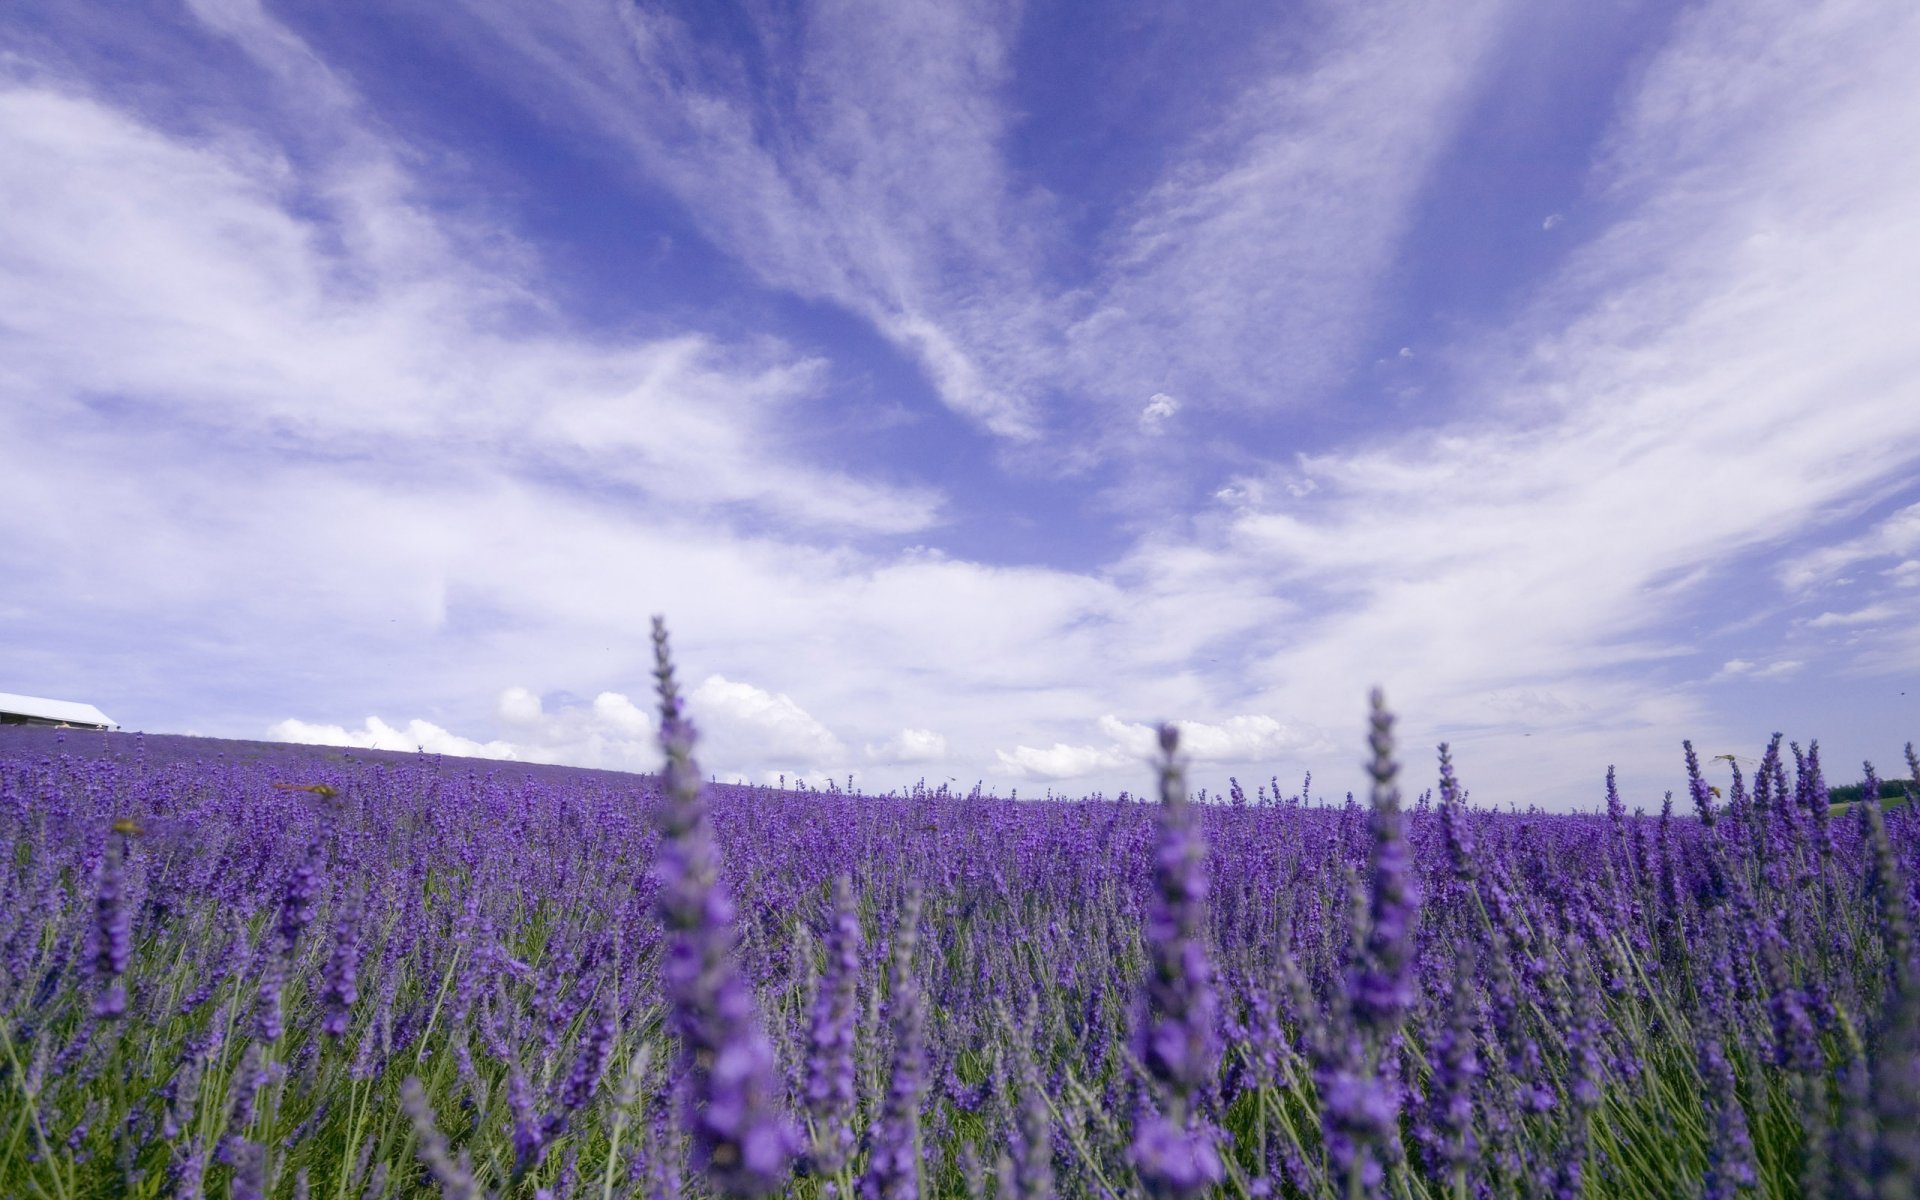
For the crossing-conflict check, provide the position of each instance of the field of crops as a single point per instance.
(301, 973)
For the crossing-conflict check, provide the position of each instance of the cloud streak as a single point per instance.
(292, 398)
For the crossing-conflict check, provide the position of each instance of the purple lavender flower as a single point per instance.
(1454, 1056)
(454, 1175)
(1896, 1092)
(1896, 1066)
(1357, 1117)
(741, 1142)
(1730, 1161)
(1029, 1174)
(893, 1160)
(1697, 786)
(1178, 1039)
(1180, 1048)
(341, 986)
(1453, 822)
(113, 927)
(1884, 886)
(529, 1132)
(249, 1162)
(1381, 989)
(1175, 1159)
(296, 902)
(830, 1068)
(269, 1021)
(590, 1065)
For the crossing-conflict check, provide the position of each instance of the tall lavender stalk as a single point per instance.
(1446, 1126)
(1174, 1151)
(830, 1067)
(113, 925)
(341, 987)
(1896, 1069)
(741, 1141)
(1381, 989)
(1360, 1111)
(893, 1163)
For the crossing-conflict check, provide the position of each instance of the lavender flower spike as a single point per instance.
(453, 1174)
(893, 1168)
(741, 1142)
(830, 1069)
(1381, 989)
(1178, 1041)
(113, 926)
(341, 987)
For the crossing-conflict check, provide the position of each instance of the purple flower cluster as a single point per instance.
(113, 929)
(1174, 1151)
(742, 1143)
(893, 1157)
(830, 1093)
(365, 974)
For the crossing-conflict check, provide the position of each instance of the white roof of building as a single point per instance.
(70, 711)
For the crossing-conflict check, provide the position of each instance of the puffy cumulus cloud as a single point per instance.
(752, 728)
(378, 735)
(617, 712)
(1061, 761)
(518, 706)
(1131, 746)
(1159, 410)
(611, 733)
(909, 746)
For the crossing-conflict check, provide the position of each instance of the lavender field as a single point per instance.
(242, 971)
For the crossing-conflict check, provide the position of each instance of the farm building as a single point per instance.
(33, 710)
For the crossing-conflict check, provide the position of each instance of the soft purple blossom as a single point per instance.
(1730, 1161)
(830, 1040)
(741, 1141)
(341, 985)
(1380, 987)
(113, 928)
(893, 1154)
(1178, 1036)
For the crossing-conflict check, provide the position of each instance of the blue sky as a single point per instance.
(972, 385)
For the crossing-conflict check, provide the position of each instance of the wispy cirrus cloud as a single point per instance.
(857, 153)
(321, 308)
(295, 393)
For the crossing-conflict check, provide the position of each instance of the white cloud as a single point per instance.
(752, 727)
(1894, 536)
(1132, 747)
(1862, 616)
(518, 706)
(611, 733)
(333, 430)
(321, 309)
(1159, 410)
(1739, 668)
(1061, 761)
(1244, 270)
(910, 746)
(617, 712)
(378, 735)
